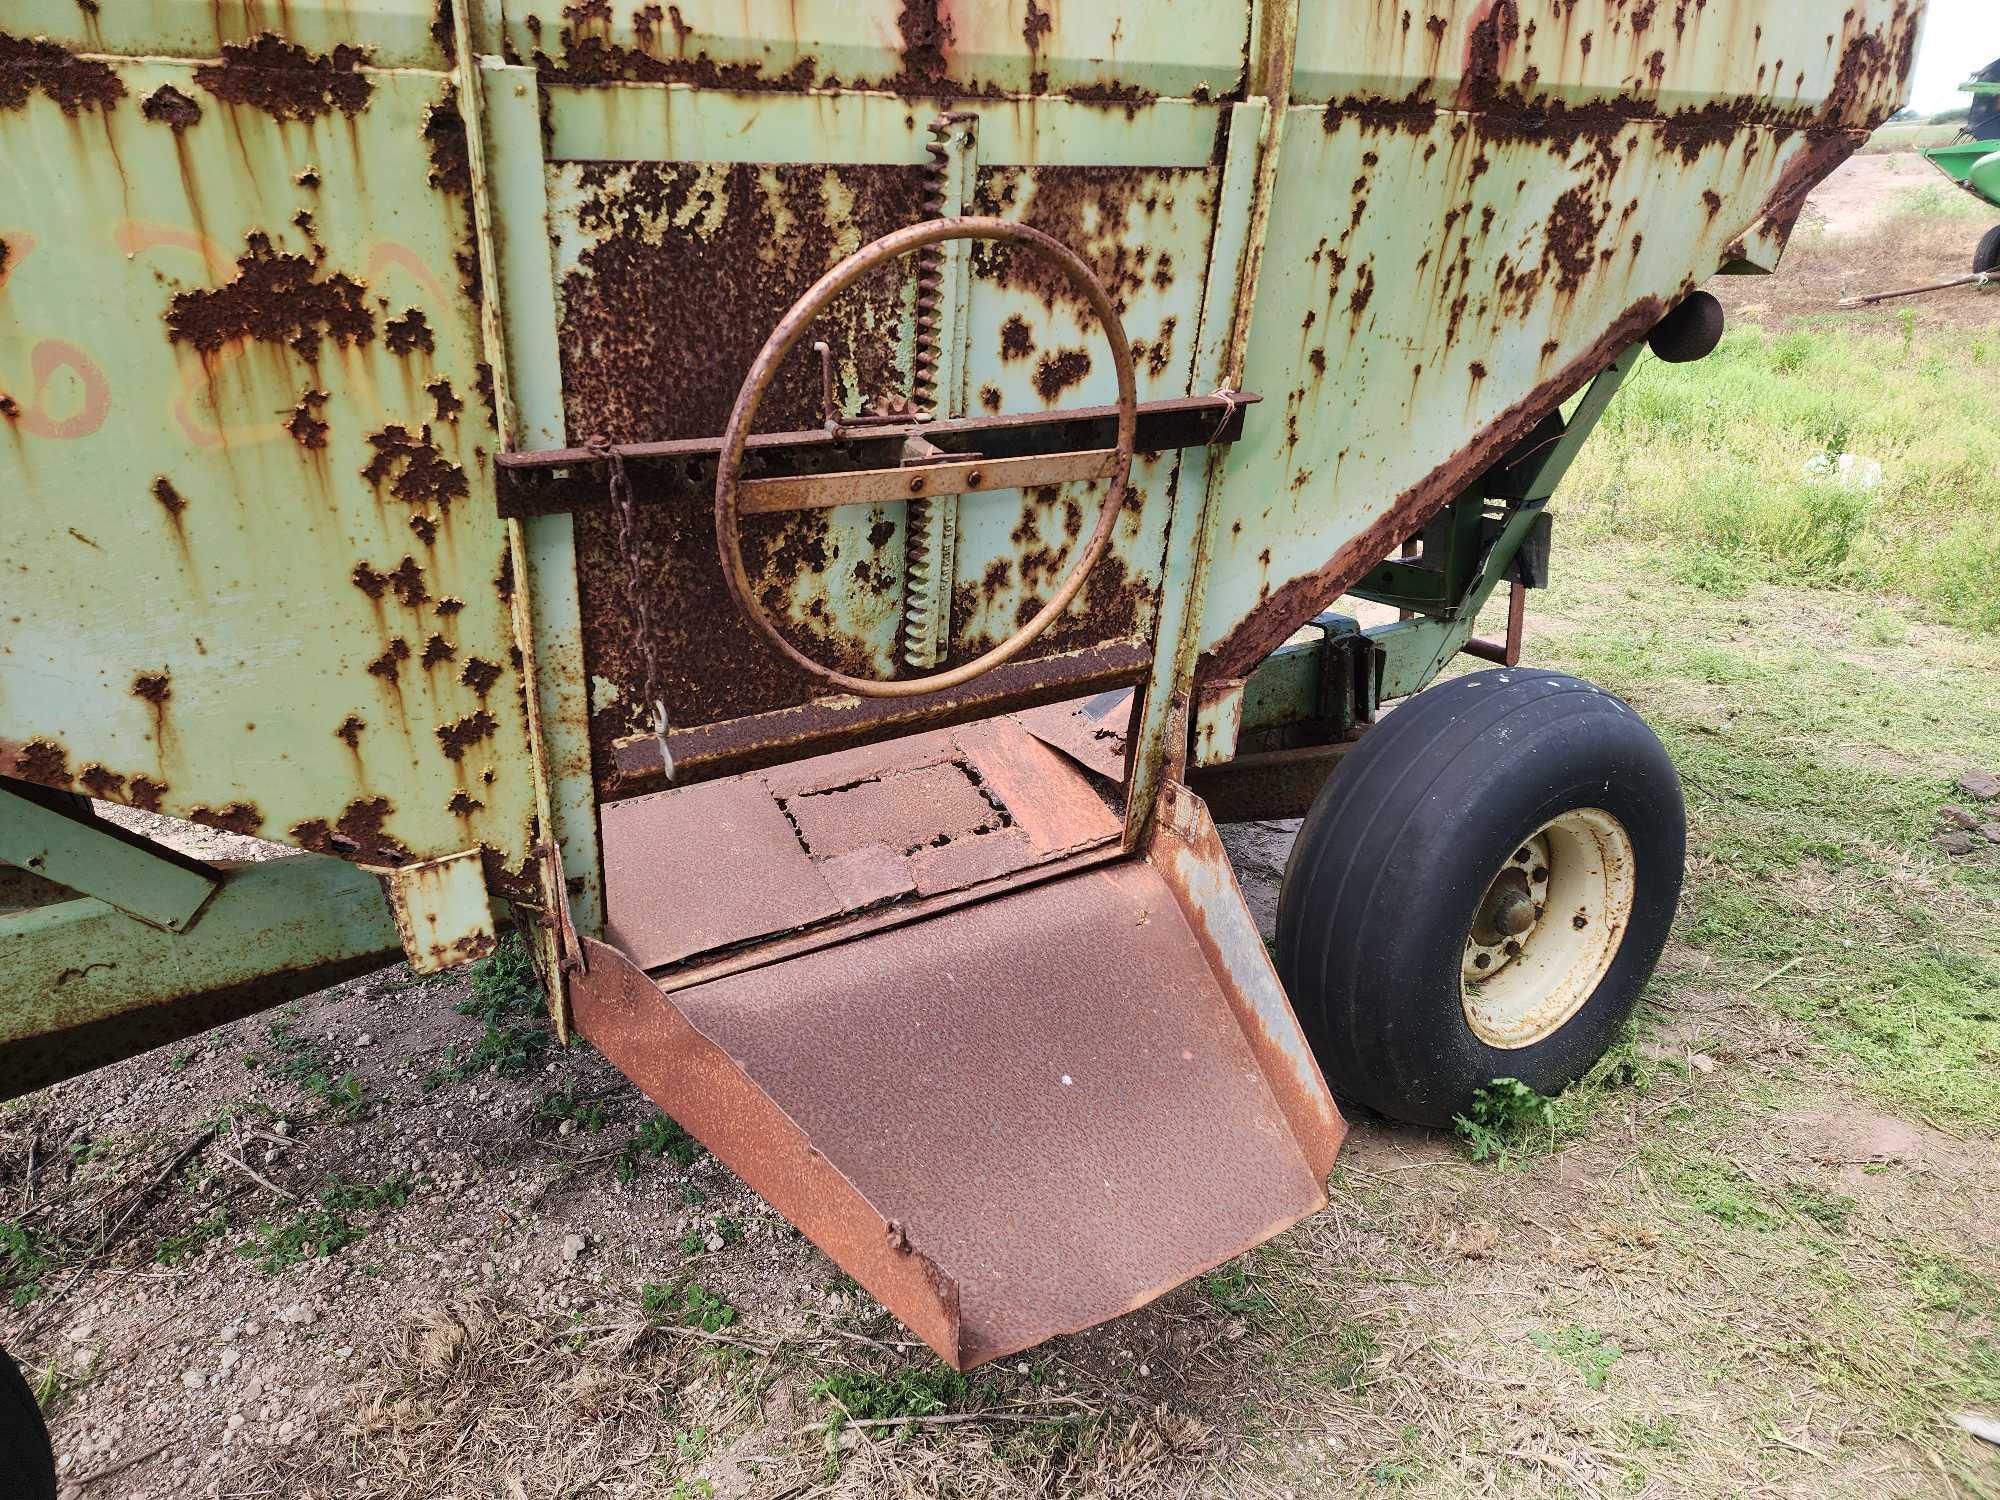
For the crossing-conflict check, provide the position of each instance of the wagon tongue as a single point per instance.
(1014, 1118)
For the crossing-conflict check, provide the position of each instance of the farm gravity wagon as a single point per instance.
(813, 509)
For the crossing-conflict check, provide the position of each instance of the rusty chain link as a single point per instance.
(635, 592)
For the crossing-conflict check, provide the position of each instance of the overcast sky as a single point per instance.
(1960, 37)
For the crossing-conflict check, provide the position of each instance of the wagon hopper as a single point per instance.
(814, 511)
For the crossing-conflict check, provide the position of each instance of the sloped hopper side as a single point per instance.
(1013, 1119)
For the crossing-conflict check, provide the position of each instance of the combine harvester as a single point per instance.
(814, 510)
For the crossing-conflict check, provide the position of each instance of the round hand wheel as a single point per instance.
(729, 464)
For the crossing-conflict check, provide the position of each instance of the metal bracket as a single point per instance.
(157, 885)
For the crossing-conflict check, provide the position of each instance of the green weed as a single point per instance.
(553, 1106)
(658, 1136)
(912, 1391)
(309, 1063)
(325, 1226)
(25, 1257)
(507, 997)
(1586, 1348)
(188, 1241)
(686, 1302)
(1505, 1116)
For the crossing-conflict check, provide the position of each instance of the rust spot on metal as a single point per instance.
(1571, 244)
(479, 675)
(989, 397)
(100, 782)
(73, 84)
(147, 794)
(236, 817)
(274, 298)
(588, 55)
(458, 736)
(170, 499)
(305, 423)
(358, 834)
(168, 106)
(1056, 373)
(411, 332)
(42, 761)
(424, 526)
(349, 732)
(1017, 340)
(447, 606)
(444, 400)
(389, 663)
(413, 468)
(155, 687)
(285, 81)
(444, 139)
(437, 649)
(463, 804)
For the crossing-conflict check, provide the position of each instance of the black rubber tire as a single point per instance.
(26, 1459)
(1396, 854)
(1691, 331)
(1986, 258)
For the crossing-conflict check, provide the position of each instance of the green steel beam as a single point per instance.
(140, 879)
(82, 984)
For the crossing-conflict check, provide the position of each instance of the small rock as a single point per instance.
(1958, 817)
(568, 1127)
(364, 1040)
(1955, 841)
(1701, 1062)
(283, 1127)
(194, 1380)
(235, 1420)
(1983, 785)
(572, 1248)
(298, 1315)
(229, 1359)
(1990, 832)
(713, 1243)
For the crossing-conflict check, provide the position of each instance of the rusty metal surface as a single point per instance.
(685, 1072)
(1095, 1084)
(722, 863)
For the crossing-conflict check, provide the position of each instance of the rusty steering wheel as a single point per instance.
(729, 463)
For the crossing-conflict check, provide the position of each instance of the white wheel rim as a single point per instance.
(1520, 987)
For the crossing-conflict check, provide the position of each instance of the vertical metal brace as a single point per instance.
(930, 541)
(554, 939)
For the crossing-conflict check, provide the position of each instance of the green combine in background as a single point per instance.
(1973, 162)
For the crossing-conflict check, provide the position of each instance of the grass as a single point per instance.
(325, 1225)
(1716, 457)
(688, 1303)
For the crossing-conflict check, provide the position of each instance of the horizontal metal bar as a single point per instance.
(704, 751)
(139, 878)
(1270, 784)
(966, 476)
(554, 480)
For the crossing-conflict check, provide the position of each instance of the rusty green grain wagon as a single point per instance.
(814, 510)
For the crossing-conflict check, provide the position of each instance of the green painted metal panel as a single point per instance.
(81, 982)
(244, 429)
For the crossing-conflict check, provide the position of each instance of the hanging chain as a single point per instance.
(636, 593)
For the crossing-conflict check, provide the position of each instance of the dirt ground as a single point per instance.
(374, 1246)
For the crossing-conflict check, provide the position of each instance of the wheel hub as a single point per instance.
(1547, 929)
